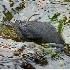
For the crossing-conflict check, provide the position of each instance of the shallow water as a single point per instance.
(18, 55)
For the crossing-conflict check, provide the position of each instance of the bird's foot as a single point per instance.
(59, 47)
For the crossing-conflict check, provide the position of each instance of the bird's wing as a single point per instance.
(30, 32)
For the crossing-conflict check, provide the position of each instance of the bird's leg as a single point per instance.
(60, 47)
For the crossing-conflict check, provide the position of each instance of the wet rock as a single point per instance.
(37, 59)
(41, 61)
(27, 66)
(67, 50)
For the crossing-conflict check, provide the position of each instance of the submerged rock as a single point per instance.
(27, 66)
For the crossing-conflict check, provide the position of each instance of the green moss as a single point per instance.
(61, 21)
(11, 3)
(7, 31)
(56, 56)
(17, 9)
(64, 20)
(60, 26)
(8, 15)
(67, 49)
(66, 0)
(21, 6)
(54, 18)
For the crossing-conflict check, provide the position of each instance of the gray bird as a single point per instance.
(36, 31)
